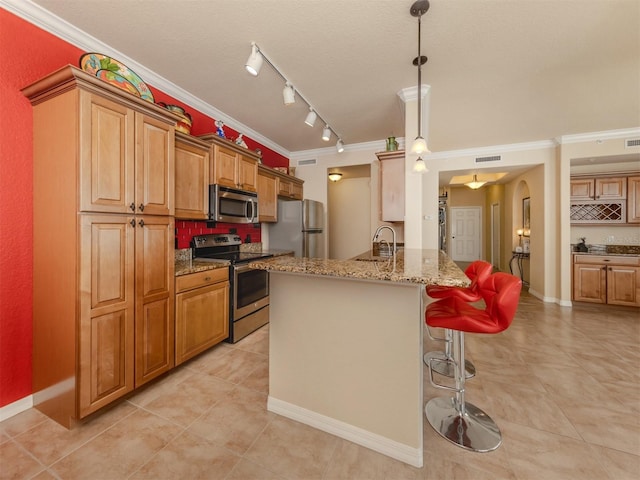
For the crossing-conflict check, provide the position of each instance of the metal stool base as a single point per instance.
(446, 367)
(474, 430)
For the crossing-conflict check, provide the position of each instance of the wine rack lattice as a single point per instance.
(598, 212)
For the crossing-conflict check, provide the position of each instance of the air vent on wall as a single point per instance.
(311, 161)
(633, 142)
(495, 158)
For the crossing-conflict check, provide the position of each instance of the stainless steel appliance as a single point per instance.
(300, 228)
(232, 206)
(249, 292)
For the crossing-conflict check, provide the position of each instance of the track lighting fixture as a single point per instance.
(326, 133)
(253, 65)
(311, 117)
(254, 62)
(289, 94)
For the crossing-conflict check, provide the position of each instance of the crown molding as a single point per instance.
(55, 25)
(596, 136)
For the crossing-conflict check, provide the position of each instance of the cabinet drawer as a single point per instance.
(607, 260)
(199, 279)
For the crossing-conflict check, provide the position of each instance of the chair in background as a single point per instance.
(452, 417)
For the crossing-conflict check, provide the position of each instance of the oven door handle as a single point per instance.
(242, 268)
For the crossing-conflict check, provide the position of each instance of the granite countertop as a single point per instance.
(428, 267)
(605, 254)
(184, 264)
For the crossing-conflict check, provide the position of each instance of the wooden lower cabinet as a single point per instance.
(202, 312)
(606, 279)
(126, 331)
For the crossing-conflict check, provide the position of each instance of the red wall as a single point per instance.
(28, 53)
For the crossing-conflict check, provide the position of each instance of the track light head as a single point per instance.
(289, 94)
(340, 146)
(311, 118)
(254, 62)
(326, 133)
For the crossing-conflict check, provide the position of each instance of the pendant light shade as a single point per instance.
(420, 166)
(419, 146)
(311, 118)
(289, 94)
(254, 62)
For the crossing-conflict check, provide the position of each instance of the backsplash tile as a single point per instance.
(186, 229)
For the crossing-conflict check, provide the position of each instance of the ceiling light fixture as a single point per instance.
(253, 65)
(335, 176)
(475, 184)
(289, 94)
(254, 62)
(326, 133)
(419, 146)
(311, 117)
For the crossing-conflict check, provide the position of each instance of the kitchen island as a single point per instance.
(345, 351)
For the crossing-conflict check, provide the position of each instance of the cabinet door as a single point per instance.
(154, 326)
(107, 153)
(589, 283)
(247, 174)
(296, 190)
(633, 200)
(611, 188)
(582, 189)
(202, 319)
(106, 326)
(267, 197)
(225, 167)
(191, 181)
(154, 166)
(392, 189)
(284, 188)
(623, 285)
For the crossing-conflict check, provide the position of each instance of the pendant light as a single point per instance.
(474, 184)
(419, 145)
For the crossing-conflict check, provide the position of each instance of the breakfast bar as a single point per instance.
(345, 353)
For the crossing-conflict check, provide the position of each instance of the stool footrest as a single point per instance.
(432, 362)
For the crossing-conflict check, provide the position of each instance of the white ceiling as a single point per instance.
(500, 71)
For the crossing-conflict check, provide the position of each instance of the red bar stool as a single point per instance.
(456, 420)
(477, 272)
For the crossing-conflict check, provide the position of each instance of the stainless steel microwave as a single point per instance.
(232, 206)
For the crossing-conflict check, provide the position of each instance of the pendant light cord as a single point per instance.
(419, 80)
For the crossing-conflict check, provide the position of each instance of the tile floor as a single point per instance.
(563, 384)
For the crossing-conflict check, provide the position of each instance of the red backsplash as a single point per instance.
(186, 229)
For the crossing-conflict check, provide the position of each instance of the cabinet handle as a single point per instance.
(141, 207)
(132, 207)
(141, 223)
(132, 223)
(207, 279)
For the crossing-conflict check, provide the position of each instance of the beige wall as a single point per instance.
(349, 208)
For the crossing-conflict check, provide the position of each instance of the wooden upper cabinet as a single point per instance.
(231, 165)
(633, 199)
(614, 188)
(154, 166)
(267, 196)
(247, 174)
(191, 178)
(604, 188)
(126, 159)
(391, 186)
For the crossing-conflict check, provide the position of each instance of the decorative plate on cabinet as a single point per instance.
(116, 73)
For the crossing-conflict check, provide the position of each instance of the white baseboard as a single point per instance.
(373, 441)
(16, 407)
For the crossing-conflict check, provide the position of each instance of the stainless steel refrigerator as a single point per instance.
(300, 228)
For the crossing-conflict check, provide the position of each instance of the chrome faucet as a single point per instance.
(393, 234)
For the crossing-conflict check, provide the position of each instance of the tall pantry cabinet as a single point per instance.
(103, 243)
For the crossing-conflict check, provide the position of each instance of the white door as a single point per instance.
(465, 233)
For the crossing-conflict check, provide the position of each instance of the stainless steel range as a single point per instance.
(249, 292)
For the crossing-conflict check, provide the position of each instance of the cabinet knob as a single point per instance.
(207, 279)
(132, 207)
(141, 207)
(141, 223)
(132, 223)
